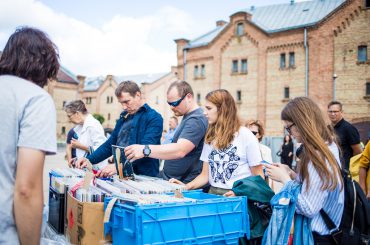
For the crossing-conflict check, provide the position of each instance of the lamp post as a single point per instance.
(334, 85)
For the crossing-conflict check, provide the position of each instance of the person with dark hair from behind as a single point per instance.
(138, 124)
(348, 136)
(28, 132)
(182, 155)
(287, 148)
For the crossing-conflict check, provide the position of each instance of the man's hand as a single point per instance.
(107, 171)
(175, 181)
(81, 163)
(134, 152)
(368, 195)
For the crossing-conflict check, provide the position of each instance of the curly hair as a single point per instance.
(30, 54)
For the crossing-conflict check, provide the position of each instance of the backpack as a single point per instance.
(355, 222)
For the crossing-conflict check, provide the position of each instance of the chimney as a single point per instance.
(291, 2)
(220, 23)
(253, 8)
(81, 85)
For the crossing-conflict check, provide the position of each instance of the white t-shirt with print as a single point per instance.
(232, 163)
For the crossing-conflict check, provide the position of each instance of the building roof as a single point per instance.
(280, 17)
(66, 76)
(206, 38)
(94, 83)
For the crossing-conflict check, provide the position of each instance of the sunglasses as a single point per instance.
(288, 129)
(254, 132)
(177, 102)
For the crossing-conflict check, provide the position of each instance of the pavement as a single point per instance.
(52, 162)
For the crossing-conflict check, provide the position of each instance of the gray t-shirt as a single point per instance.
(193, 127)
(29, 120)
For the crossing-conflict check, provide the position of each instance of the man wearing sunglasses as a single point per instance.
(138, 124)
(182, 155)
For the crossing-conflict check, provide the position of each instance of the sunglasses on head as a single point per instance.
(177, 102)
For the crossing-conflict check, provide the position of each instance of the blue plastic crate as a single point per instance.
(211, 220)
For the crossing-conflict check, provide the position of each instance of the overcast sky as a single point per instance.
(118, 37)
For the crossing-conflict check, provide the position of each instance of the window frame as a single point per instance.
(286, 92)
(282, 63)
(242, 62)
(203, 70)
(291, 59)
(365, 57)
(196, 71)
(239, 30)
(234, 66)
(238, 96)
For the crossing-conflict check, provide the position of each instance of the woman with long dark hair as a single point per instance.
(286, 156)
(319, 169)
(231, 151)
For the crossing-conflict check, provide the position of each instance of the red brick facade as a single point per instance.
(332, 46)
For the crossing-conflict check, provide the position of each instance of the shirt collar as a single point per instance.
(145, 107)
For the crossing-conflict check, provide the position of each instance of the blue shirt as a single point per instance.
(168, 137)
(146, 129)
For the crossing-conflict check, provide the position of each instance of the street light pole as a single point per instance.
(334, 86)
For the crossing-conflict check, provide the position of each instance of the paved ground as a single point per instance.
(51, 162)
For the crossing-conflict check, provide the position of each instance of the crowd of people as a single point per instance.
(210, 148)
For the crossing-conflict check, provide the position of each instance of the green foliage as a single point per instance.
(99, 117)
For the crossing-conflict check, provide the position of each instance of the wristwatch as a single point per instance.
(146, 151)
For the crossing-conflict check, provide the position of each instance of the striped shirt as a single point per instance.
(312, 201)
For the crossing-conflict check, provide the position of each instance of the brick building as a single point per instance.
(267, 55)
(98, 93)
(155, 94)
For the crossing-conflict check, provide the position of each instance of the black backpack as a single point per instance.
(355, 223)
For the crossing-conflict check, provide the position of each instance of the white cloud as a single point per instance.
(123, 45)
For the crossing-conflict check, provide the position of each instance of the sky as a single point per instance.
(119, 37)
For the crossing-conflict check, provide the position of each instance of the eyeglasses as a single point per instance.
(70, 115)
(177, 102)
(288, 129)
(254, 132)
(333, 112)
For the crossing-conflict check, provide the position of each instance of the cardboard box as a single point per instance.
(85, 222)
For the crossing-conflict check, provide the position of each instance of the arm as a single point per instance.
(28, 195)
(362, 174)
(165, 152)
(356, 149)
(201, 180)
(257, 170)
(77, 144)
(69, 152)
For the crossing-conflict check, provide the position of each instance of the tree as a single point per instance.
(99, 117)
